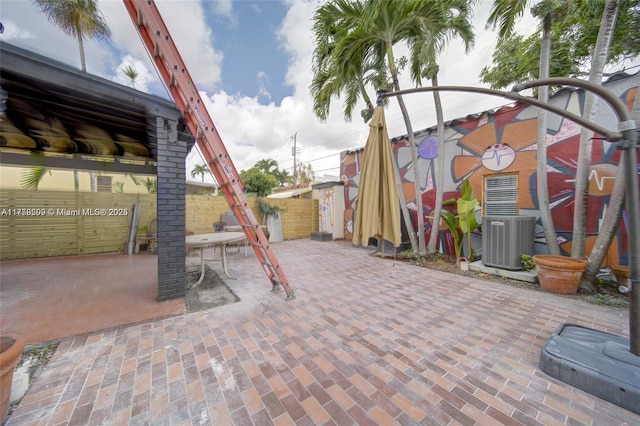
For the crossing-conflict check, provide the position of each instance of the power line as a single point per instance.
(331, 168)
(322, 158)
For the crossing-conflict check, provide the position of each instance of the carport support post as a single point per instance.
(171, 154)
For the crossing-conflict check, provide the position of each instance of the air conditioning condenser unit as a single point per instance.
(505, 239)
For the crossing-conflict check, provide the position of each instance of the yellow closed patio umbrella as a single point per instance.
(377, 211)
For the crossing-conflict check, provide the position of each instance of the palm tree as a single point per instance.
(267, 166)
(199, 169)
(130, 72)
(283, 176)
(427, 46)
(305, 173)
(331, 78)
(80, 18)
(369, 29)
(598, 61)
(503, 9)
(616, 202)
(505, 13)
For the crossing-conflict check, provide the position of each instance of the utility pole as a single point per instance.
(294, 152)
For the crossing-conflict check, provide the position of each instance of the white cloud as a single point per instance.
(263, 83)
(252, 131)
(186, 23)
(13, 32)
(224, 8)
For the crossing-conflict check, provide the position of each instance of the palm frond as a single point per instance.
(31, 178)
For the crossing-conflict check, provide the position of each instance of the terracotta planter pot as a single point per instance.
(559, 274)
(10, 352)
(622, 274)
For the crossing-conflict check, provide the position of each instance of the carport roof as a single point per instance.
(78, 97)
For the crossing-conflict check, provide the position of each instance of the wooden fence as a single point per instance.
(299, 217)
(57, 223)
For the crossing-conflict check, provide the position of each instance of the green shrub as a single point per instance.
(527, 262)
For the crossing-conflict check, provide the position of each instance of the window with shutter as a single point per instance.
(103, 183)
(501, 195)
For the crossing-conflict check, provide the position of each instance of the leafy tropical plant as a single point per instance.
(453, 224)
(257, 182)
(32, 177)
(527, 262)
(118, 187)
(466, 211)
(465, 221)
(265, 209)
(150, 184)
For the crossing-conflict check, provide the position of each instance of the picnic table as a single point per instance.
(217, 239)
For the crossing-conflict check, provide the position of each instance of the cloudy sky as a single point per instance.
(251, 61)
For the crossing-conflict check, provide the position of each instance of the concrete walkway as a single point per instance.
(366, 341)
(49, 298)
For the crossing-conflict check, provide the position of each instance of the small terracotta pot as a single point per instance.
(559, 274)
(10, 352)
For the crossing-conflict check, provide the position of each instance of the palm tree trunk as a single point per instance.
(83, 62)
(612, 218)
(599, 60)
(367, 101)
(417, 246)
(433, 240)
(550, 235)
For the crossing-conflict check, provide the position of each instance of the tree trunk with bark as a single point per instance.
(550, 235)
(616, 201)
(440, 166)
(598, 62)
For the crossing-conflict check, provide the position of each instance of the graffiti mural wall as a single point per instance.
(504, 141)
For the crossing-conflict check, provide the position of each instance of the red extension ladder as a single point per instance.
(160, 45)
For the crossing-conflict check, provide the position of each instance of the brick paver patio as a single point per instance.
(367, 341)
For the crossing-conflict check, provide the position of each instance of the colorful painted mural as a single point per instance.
(331, 206)
(504, 141)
